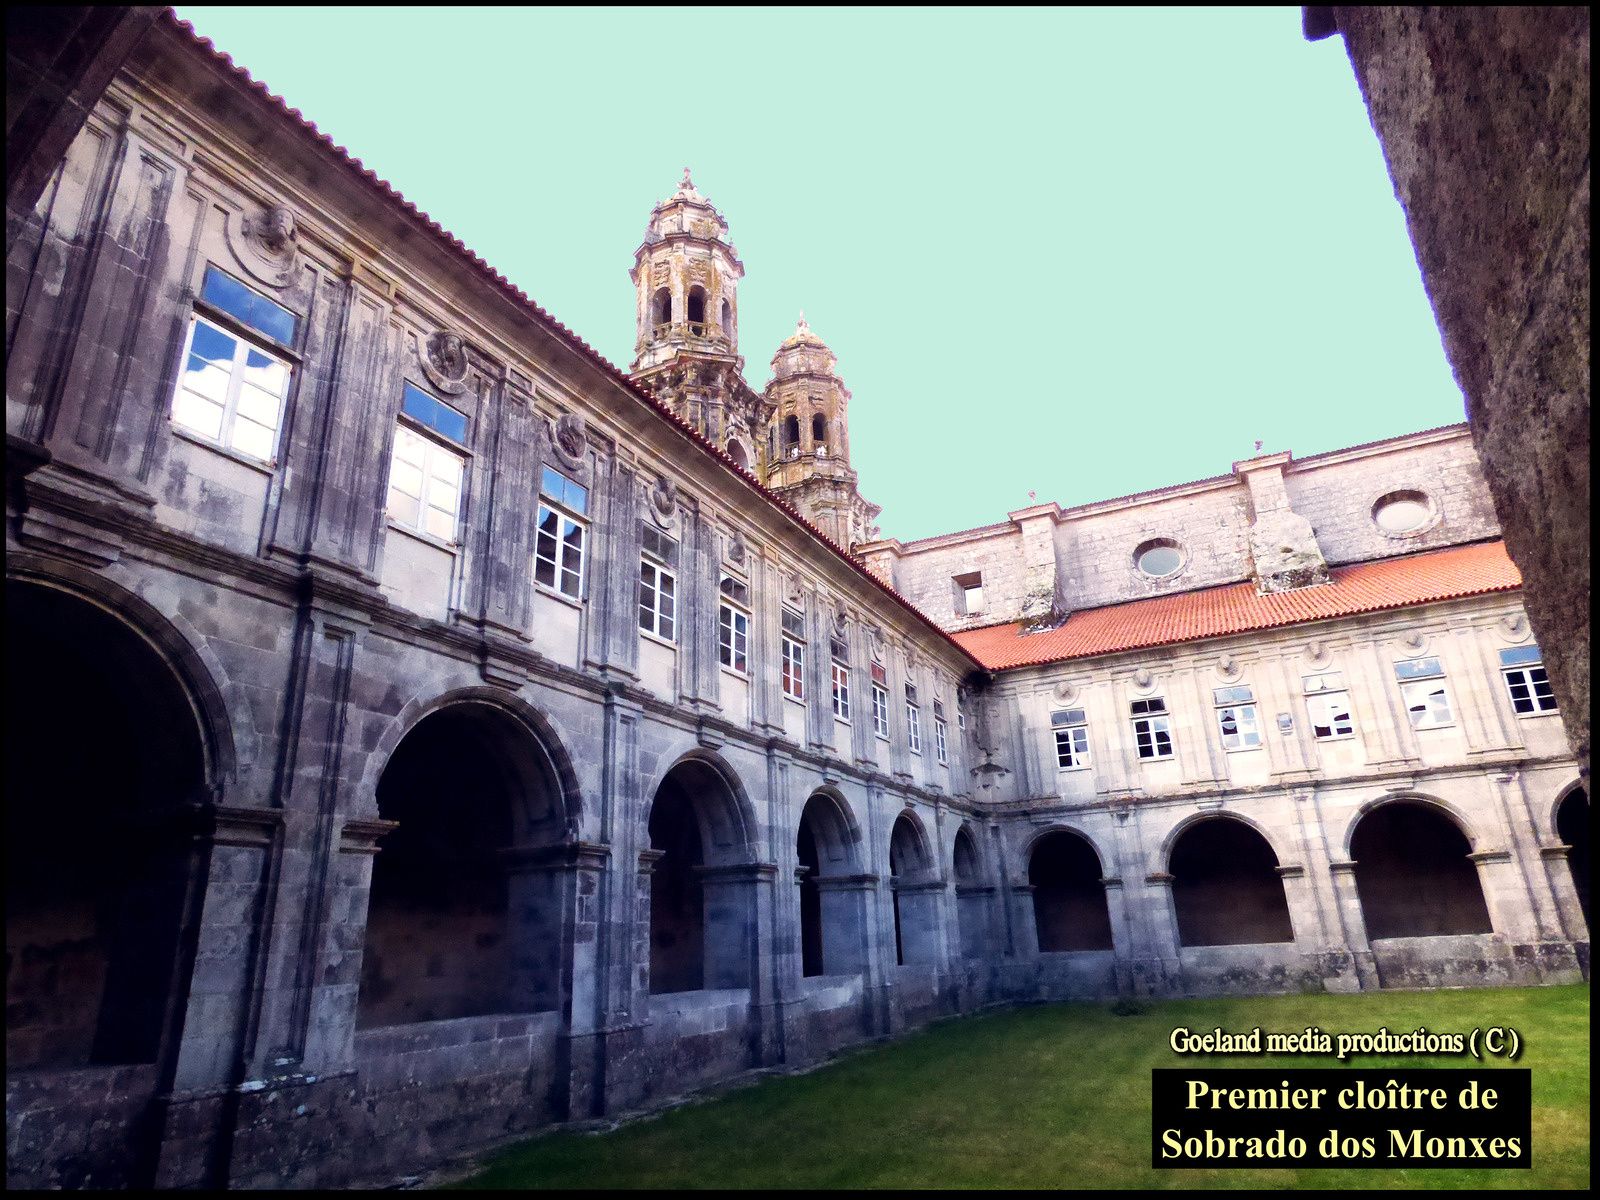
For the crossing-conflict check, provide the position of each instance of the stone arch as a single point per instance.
(1449, 811)
(1164, 855)
(117, 735)
(1570, 821)
(1069, 899)
(465, 912)
(966, 856)
(661, 307)
(702, 834)
(545, 736)
(791, 433)
(967, 865)
(1414, 874)
(1226, 889)
(727, 317)
(913, 886)
(819, 429)
(832, 886)
(737, 452)
(695, 305)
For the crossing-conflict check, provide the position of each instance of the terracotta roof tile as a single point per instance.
(1237, 608)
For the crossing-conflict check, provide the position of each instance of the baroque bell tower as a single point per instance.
(809, 440)
(686, 277)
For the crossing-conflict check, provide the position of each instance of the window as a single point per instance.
(1152, 729)
(1236, 717)
(880, 700)
(941, 734)
(819, 429)
(1071, 727)
(794, 654)
(733, 625)
(425, 473)
(791, 434)
(1422, 688)
(1159, 558)
(1328, 705)
(1526, 680)
(913, 721)
(231, 390)
(658, 586)
(840, 656)
(969, 593)
(558, 548)
(1402, 512)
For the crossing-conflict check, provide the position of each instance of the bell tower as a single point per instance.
(809, 441)
(686, 278)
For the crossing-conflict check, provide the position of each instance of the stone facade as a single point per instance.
(426, 733)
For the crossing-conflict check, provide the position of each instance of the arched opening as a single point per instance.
(1226, 887)
(1069, 901)
(832, 891)
(819, 430)
(105, 753)
(661, 307)
(912, 885)
(464, 915)
(1413, 874)
(700, 911)
(791, 433)
(727, 318)
(969, 898)
(697, 305)
(736, 452)
(1572, 827)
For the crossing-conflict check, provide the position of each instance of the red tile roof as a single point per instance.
(391, 194)
(1237, 608)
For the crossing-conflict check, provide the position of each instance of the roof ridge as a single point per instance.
(200, 42)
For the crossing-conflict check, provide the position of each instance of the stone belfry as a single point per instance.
(686, 275)
(809, 443)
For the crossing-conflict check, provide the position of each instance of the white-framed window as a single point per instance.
(1422, 688)
(1152, 728)
(733, 625)
(1526, 681)
(1236, 717)
(969, 593)
(880, 699)
(794, 654)
(1328, 706)
(941, 735)
(231, 389)
(913, 721)
(1071, 729)
(427, 465)
(839, 655)
(658, 583)
(558, 548)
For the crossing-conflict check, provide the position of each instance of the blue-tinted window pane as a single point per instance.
(562, 490)
(577, 497)
(247, 305)
(1419, 668)
(439, 417)
(1518, 655)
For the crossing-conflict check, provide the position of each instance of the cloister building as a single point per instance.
(423, 731)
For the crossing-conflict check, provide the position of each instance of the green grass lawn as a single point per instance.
(1054, 1097)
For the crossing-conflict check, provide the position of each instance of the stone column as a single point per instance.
(1354, 923)
(611, 627)
(1123, 943)
(1558, 873)
(1162, 919)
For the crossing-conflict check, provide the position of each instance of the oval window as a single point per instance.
(1158, 558)
(1402, 512)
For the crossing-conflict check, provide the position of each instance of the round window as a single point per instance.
(1159, 558)
(1402, 512)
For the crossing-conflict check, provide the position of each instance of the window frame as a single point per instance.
(880, 700)
(1238, 707)
(1523, 661)
(1325, 693)
(649, 565)
(1412, 674)
(839, 678)
(1157, 723)
(793, 666)
(432, 446)
(913, 725)
(245, 340)
(562, 511)
(1064, 726)
(729, 654)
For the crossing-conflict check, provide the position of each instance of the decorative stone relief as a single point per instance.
(1317, 654)
(1066, 692)
(1228, 667)
(1143, 680)
(793, 590)
(664, 500)
(841, 620)
(444, 362)
(569, 436)
(1414, 643)
(1514, 627)
(1284, 549)
(736, 550)
(265, 245)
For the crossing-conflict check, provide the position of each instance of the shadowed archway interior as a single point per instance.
(1069, 901)
(1226, 887)
(1413, 874)
(104, 755)
(463, 917)
(1572, 826)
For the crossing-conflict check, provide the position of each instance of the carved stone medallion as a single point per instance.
(664, 500)
(265, 244)
(444, 362)
(569, 436)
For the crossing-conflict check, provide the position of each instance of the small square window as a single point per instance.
(969, 593)
(1071, 728)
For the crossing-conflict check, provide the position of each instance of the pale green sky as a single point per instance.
(1078, 252)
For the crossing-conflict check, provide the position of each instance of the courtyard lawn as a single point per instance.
(1054, 1096)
